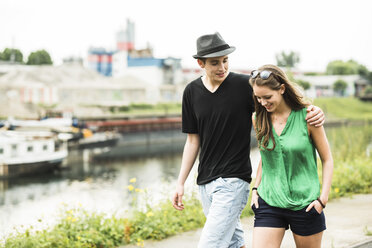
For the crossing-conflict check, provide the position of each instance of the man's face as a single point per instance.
(216, 69)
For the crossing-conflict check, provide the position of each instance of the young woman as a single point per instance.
(286, 193)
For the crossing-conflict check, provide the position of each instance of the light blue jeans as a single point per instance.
(223, 201)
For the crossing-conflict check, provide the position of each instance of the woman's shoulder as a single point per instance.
(301, 112)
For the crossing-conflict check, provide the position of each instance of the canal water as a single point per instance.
(95, 183)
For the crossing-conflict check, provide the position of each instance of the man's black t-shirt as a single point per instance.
(223, 121)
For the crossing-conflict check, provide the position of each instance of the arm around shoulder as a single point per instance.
(315, 116)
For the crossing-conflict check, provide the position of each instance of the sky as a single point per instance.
(318, 30)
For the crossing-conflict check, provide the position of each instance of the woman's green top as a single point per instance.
(289, 172)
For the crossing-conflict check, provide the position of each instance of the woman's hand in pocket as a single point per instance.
(316, 205)
(254, 199)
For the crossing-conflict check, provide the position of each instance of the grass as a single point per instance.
(335, 108)
(346, 108)
(148, 109)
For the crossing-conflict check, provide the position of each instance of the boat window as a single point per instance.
(1, 150)
(30, 148)
(45, 147)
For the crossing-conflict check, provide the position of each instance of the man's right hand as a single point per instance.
(177, 198)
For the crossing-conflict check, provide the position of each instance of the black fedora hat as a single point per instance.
(212, 45)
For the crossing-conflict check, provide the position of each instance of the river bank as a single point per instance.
(348, 219)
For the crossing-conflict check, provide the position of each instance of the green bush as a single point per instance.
(352, 162)
(78, 228)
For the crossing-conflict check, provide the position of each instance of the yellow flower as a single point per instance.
(68, 218)
(133, 180)
(337, 190)
(149, 214)
(130, 187)
(139, 190)
(140, 243)
(74, 219)
(78, 237)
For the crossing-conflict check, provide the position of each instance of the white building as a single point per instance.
(322, 86)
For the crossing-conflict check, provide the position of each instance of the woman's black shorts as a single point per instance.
(301, 222)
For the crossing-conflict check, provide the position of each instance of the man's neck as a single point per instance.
(211, 84)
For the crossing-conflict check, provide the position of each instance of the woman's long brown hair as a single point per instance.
(291, 95)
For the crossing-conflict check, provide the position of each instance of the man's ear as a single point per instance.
(201, 63)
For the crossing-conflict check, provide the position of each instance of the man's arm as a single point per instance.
(190, 152)
(315, 116)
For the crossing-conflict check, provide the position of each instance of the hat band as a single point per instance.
(212, 50)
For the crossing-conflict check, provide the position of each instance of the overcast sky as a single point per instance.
(319, 30)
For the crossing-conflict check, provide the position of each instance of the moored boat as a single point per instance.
(24, 152)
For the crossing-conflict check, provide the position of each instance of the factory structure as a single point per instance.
(127, 60)
(109, 79)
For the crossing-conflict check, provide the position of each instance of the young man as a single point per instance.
(216, 115)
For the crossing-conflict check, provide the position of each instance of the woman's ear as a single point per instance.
(282, 89)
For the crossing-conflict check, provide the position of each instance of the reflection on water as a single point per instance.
(102, 186)
(96, 185)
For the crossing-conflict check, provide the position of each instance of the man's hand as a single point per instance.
(177, 198)
(315, 116)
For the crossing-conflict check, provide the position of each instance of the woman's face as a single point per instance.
(268, 98)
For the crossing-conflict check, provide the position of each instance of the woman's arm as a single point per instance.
(319, 138)
(257, 181)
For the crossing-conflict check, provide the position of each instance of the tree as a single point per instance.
(368, 91)
(304, 84)
(365, 73)
(340, 86)
(287, 60)
(339, 67)
(12, 55)
(40, 57)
